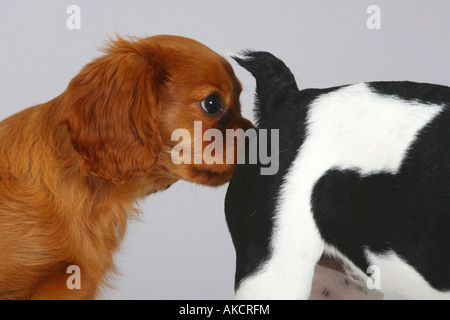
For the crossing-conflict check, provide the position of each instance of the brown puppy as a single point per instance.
(72, 168)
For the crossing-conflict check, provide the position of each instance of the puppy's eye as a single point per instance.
(212, 104)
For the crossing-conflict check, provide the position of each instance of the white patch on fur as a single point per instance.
(238, 55)
(351, 128)
(399, 279)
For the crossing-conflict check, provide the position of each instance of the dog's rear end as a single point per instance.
(343, 188)
(252, 198)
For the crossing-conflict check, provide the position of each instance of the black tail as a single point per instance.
(273, 78)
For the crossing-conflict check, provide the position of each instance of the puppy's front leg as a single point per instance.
(288, 271)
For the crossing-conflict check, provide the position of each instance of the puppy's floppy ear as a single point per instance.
(111, 110)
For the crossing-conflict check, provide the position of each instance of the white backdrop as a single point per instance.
(181, 248)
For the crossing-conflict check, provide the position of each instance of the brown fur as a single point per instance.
(71, 169)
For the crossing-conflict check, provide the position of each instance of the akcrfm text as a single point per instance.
(238, 309)
(246, 309)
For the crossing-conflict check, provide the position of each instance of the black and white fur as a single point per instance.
(364, 177)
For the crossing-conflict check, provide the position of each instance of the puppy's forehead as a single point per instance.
(202, 63)
(203, 75)
(194, 69)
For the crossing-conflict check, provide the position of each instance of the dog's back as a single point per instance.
(365, 166)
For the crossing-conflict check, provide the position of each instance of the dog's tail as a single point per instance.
(273, 79)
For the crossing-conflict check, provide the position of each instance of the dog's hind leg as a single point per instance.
(296, 247)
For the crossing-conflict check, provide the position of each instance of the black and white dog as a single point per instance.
(364, 177)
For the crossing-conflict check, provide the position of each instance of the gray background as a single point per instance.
(181, 248)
